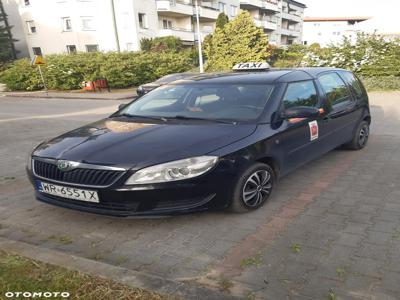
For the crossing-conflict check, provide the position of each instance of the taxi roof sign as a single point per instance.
(38, 60)
(251, 66)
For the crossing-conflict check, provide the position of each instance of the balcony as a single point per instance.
(207, 14)
(292, 17)
(174, 8)
(260, 4)
(184, 35)
(266, 23)
(271, 5)
(290, 32)
(251, 4)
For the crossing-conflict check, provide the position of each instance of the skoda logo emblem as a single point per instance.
(65, 165)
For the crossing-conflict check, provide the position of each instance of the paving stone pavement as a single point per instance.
(331, 229)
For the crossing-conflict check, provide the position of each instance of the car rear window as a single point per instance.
(335, 88)
(354, 84)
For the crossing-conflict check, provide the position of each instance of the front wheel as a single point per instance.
(253, 188)
(360, 137)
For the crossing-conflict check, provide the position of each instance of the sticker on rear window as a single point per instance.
(313, 130)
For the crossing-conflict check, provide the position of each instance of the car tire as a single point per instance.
(252, 188)
(360, 138)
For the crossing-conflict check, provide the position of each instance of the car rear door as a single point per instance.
(342, 113)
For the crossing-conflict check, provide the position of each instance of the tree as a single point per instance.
(222, 20)
(240, 40)
(7, 49)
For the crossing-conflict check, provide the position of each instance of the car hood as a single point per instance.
(122, 143)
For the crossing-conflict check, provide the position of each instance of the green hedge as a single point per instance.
(66, 72)
(382, 83)
(369, 56)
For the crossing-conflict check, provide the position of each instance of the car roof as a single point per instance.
(249, 77)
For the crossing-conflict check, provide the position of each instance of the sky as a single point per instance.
(384, 12)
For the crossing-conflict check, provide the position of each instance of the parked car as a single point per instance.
(211, 141)
(145, 88)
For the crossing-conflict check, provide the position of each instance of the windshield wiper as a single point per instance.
(142, 117)
(179, 117)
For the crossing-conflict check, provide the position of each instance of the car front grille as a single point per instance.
(78, 176)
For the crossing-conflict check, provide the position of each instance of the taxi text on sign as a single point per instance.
(38, 60)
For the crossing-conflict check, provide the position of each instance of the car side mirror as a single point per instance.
(140, 91)
(300, 112)
(122, 105)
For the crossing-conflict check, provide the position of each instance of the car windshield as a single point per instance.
(234, 102)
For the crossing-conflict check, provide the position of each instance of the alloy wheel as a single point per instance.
(364, 134)
(257, 187)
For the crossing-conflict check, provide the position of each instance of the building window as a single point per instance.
(129, 46)
(31, 27)
(167, 24)
(233, 10)
(71, 49)
(221, 6)
(27, 2)
(92, 48)
(87, 23)
(142, 21)
(37, 51)
(67, 25)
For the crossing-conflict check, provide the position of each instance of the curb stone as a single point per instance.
(126, 276)
(71, 97)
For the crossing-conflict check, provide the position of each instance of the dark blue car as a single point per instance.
(210, 141)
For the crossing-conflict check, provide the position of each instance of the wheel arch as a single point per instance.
(367, 118)
(272, 162)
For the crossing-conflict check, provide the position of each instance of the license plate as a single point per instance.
(67, 192)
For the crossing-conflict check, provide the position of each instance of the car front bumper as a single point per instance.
(210, 191)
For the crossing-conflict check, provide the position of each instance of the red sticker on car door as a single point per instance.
(313, 130)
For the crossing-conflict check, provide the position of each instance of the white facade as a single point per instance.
(326, 31)
(11, 7)
(282, 20)
(64, 26)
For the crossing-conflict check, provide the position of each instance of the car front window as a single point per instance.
(236, 102)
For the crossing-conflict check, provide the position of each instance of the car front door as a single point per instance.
(299, 138)
(342, 113)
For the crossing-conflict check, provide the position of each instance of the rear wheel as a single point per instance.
(253, 188)
(360, 137)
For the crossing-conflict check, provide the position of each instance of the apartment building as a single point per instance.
(282, 20)
(68, 26)
(331, 30)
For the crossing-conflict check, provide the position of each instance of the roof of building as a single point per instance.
(335, 19)
(297, 3)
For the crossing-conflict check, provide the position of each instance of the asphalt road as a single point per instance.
(331, 227)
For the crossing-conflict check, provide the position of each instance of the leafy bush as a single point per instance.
(122, 70)
(21, 76)
(369, 56)
(167, 43)
(289, 57)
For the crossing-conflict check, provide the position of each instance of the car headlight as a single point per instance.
(29, 162)
(173, 171)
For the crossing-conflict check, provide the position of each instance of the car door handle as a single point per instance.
(326, 119)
